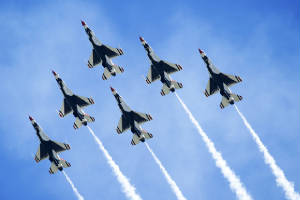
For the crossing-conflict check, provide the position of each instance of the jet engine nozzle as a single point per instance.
(231, 100)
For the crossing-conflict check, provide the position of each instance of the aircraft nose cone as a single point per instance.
(112, 89)
(30, 118)
(83, 23)
(142, 39)
(200, 51)
(54, 73)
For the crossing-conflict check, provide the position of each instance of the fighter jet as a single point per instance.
(73, 103)
(219, 81)
(49, 149)
(102, 54)
(131, 119)
(161, 69)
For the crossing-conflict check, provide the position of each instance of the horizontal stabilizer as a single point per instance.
(77, 124)
(237, 97)
(118, 69)
(225, 102)
(53, 169)
(165, 90)
(64, 163)
(145, 135)
(89, 118)
(106, 74)
(176, 84)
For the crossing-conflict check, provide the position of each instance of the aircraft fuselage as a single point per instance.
(164, 77)
(129, 115)
(71, 100)
(217, 77)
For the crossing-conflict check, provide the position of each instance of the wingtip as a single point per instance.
(142, 39)
(83, 23)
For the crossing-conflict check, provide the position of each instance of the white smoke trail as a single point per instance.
(281, 180)
(127, 188)
(234, 181)
(78, 195)
(171, 182)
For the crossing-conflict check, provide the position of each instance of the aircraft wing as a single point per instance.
(230, 79)
(171, 68)
(83, 101)
(65, 109)
(94, 60)
(112, 52)
(41, 153)
(152, 75)
(211, 88)
(123, 125)
(59, 147)
(141, 117)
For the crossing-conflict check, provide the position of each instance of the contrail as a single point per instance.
(78, 195)
(234, 181)
(127, 188)
(171, 182)
(281, 180)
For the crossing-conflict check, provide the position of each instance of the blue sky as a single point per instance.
(257, 40)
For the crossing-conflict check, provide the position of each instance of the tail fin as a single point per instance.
(225, 102)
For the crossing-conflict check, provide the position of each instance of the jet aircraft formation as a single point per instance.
(159, 70)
